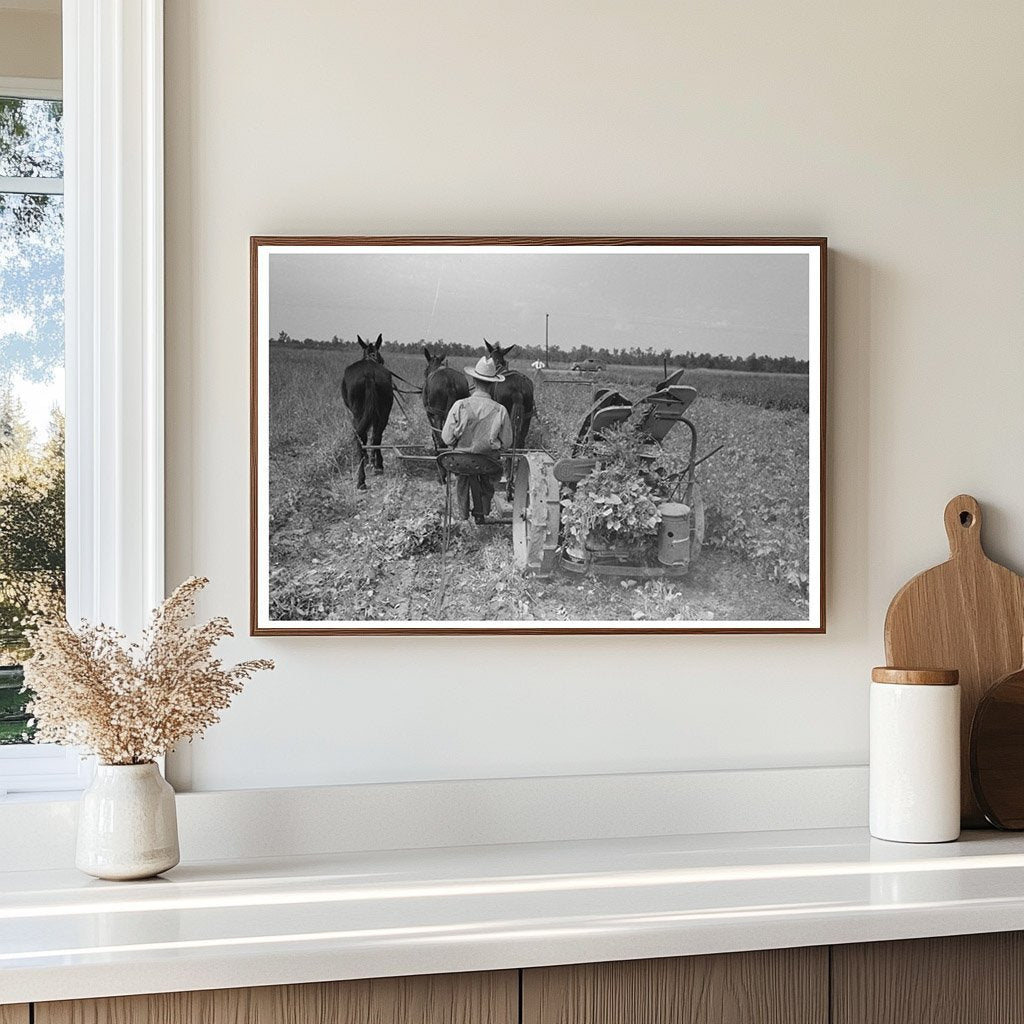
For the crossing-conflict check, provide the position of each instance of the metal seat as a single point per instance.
(604, 398)
(468, 463)
(664, 409)
(609, 416)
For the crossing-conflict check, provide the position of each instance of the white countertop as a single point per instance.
(298, 919)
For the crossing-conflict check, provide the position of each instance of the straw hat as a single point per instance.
(485, 370)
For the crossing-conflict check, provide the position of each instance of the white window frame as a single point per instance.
(32, 88)
(114, 348)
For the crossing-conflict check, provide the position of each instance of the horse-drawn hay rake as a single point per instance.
(544, 487)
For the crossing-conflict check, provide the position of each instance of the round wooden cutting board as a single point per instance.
(967, 614)
(997, 752)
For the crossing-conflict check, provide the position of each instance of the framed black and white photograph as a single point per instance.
(537, 435)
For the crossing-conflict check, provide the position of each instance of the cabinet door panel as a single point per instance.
(484, 998)
(960, 979)
(779, 986)
(14, 1014)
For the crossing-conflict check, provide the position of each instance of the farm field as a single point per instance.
(783, 391)
(340, 554)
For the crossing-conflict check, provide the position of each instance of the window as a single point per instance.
(32, 530)
(112, 212)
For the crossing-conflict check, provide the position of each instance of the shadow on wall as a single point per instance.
(853, 287)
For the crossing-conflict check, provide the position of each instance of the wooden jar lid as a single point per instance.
(916, 676)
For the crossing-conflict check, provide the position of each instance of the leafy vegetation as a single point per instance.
(31, 545)
(14, 726)
(617, 504)
(614, 504)
(556, 356)
(757, 489)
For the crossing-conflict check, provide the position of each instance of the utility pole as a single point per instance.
(546, 361)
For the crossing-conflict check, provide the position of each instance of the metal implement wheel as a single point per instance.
(536, 514)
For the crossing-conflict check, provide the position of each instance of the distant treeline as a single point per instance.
(635, 356)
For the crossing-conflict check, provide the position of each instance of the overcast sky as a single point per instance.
(733, 303)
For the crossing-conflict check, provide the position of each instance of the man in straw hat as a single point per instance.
(479, 425)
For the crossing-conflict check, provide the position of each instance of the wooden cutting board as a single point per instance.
(967, 614)
(997, 752)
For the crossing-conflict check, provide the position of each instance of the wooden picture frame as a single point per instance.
(387, 557)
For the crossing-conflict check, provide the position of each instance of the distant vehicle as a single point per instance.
(587, 365)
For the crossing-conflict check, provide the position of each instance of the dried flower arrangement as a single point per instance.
(130, 703)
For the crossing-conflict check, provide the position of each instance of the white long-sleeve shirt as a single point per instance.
(477, 424)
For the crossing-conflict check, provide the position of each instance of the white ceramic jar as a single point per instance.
(915, 755)
(127, 823)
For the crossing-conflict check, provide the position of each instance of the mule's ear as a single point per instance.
(426, 352)
(511, 348)
(362, 344)
(379, 341)
(488, 345)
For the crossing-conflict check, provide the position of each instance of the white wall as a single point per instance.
(895, 129)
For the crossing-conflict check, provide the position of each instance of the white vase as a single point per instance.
(127, 825)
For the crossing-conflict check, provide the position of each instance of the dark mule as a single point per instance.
(368, 394)
(515, 392)
(442, 388)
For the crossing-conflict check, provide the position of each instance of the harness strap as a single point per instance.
(388, 370)
(418, 390)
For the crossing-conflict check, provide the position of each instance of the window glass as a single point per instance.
(31, 138)
(31, 387)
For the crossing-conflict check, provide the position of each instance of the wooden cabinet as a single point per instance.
(962, 979)
(491, 998)
(968, 979)
(778, 986)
